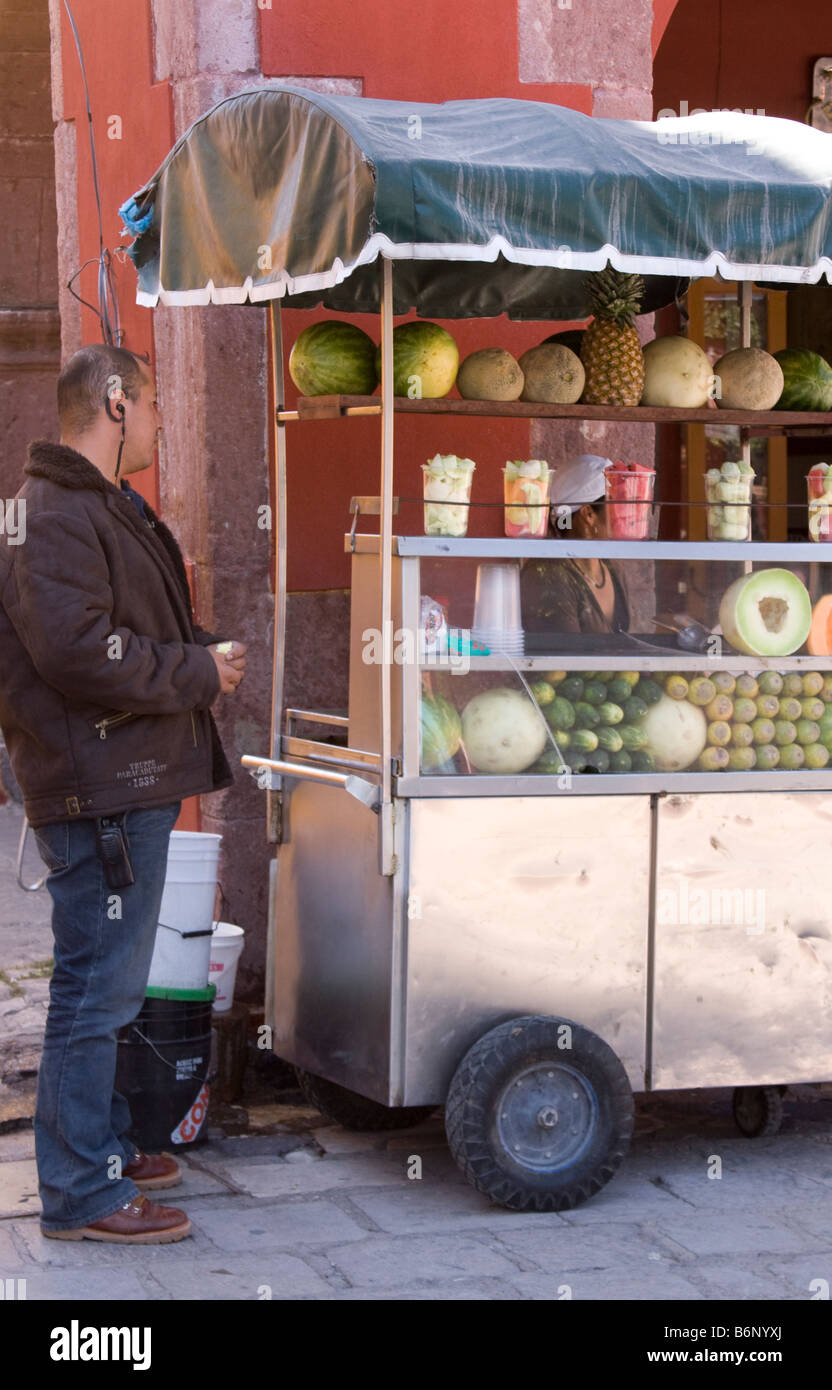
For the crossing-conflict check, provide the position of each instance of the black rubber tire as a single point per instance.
(472, 1122)
(352, 1111)
(758, 1110)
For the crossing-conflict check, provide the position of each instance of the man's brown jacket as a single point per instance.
(105, 683)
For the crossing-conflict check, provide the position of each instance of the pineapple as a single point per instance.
(610, 349)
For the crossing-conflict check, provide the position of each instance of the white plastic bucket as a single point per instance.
(183, 938)
(226, 945)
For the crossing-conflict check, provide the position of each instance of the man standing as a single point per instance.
(105, 693)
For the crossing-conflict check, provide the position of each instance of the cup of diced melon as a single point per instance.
(526, 492)
(728, 494)
(819, 484)
(629, 498)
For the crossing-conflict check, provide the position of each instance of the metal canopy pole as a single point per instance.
(278, 428)
(386, 857)
(745, 297)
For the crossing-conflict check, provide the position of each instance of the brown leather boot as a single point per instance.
(138, 1222)
(152, 1171)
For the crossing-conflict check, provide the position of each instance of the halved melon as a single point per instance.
(767, 613)
(819, 641)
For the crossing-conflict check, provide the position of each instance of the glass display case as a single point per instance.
(523, 667)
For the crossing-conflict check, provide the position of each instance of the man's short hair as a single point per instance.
(83, 383)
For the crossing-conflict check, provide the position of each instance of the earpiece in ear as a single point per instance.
(116, 396)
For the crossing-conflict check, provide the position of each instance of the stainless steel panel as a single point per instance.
(743, 955)
(503, 548)
(613, 784)
(335, 938)
(273, 800)
(672, 660)
(330, 753)
(524, 906)
(365, 686)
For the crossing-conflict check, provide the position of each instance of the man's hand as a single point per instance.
(231, 664)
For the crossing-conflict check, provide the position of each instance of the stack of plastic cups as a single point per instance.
(497, 623)
(819, 485)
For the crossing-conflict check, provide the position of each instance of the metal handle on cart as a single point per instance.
(27, 887)
(366, 792)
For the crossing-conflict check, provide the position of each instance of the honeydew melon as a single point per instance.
(767, 613)
(676, 732)
(502, 731)
(676, 372)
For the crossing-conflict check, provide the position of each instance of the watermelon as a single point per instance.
(807, 380)
(441, 733)
(332, 359)
(425, 360)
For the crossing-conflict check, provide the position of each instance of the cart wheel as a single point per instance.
(352, 1111)
(535, 1124)
(758, 1110)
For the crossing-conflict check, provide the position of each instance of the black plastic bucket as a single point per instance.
(164, 1066)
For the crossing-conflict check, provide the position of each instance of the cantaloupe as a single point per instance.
(491, 374)
(819, 641)
(553, 373)
(748, 379)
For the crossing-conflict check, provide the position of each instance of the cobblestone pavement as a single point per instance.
(296, 1209)
(314, 1212)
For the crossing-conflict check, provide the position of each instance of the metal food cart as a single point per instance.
(520, 947)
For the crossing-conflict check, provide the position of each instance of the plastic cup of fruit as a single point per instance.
(447, 493)
(729, 505)
(629, 495)
(819, 486)
(526, 494)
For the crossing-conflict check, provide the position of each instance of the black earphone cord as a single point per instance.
(120, 409)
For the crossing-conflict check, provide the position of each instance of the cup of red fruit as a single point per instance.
(629, 496)
(819, 484)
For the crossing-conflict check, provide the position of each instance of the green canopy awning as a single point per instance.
(487, 206)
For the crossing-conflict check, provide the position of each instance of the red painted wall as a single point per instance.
(119, 68)
(432, 53)
(753, 54)
(425, 52)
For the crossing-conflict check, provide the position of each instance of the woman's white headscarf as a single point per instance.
(579, 480)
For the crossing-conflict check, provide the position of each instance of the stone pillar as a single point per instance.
(214, 470)
(214, 475)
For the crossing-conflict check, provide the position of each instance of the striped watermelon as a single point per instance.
(332, 359)
(807, 380)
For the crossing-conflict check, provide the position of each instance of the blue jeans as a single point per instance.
(104, 939)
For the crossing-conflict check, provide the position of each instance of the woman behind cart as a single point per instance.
(585, 594)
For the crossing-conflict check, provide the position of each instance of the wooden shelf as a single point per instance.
(756, 421)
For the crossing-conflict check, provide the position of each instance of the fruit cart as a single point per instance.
(527, 880)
